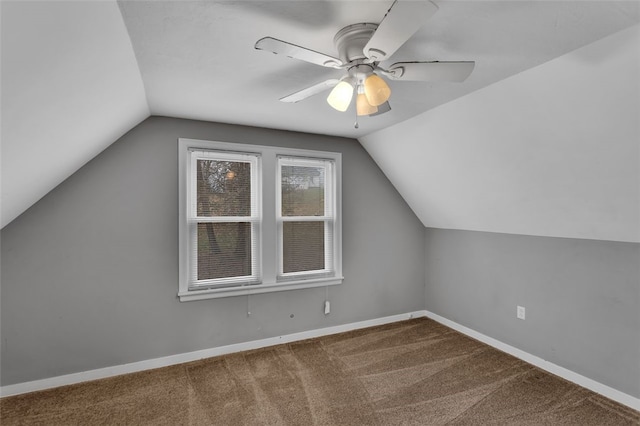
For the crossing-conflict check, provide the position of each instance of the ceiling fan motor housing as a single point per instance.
(360, 72)
(351, 40)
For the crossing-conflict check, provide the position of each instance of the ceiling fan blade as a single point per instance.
(274, 45)
(402, 20)
(310, 91)
(385, 107)
(431, 71)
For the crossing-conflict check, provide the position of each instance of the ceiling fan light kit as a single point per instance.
(363, 107)
(376, 90)
(340, 96)
(361, 47)
(370, 89)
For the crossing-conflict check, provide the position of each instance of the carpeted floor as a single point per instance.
(414, 372)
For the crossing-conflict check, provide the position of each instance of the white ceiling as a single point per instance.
(70, 88)
(77, 75)
(198, 60)
(552, 151)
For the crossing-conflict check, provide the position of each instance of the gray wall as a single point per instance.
(89, 273)
(582, 297)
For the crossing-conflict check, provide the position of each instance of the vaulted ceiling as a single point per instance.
(77, 75)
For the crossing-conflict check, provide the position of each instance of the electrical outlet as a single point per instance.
(520, 313)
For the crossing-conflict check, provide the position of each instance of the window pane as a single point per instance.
(302, 191)
(224, 250)
(303, 246)
(223, 188)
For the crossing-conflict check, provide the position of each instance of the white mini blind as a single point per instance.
(224, 219)
(306, 217)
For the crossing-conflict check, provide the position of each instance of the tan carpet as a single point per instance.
(415, 372)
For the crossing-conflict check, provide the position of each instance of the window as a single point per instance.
(305, 217)
(223, 218)
(257, 219)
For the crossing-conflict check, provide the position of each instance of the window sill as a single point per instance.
(216, 293)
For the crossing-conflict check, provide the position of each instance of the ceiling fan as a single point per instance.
(361, 48)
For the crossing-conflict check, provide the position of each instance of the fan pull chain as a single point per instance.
(356, 125)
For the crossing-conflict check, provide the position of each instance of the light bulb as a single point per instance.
(376, 90)
(363, 107)
(340, 96)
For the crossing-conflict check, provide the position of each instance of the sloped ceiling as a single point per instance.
(553, 151)
(70, 88)
(77, 75)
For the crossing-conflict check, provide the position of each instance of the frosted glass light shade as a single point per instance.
(376, 90)
(340, 96)
(363, 107)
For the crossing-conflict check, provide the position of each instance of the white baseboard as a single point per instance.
(569, 375)
(101, 373)
(117, 370)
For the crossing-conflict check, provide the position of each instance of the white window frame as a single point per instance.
(328, 217)
(193, 220)
(269, 276)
